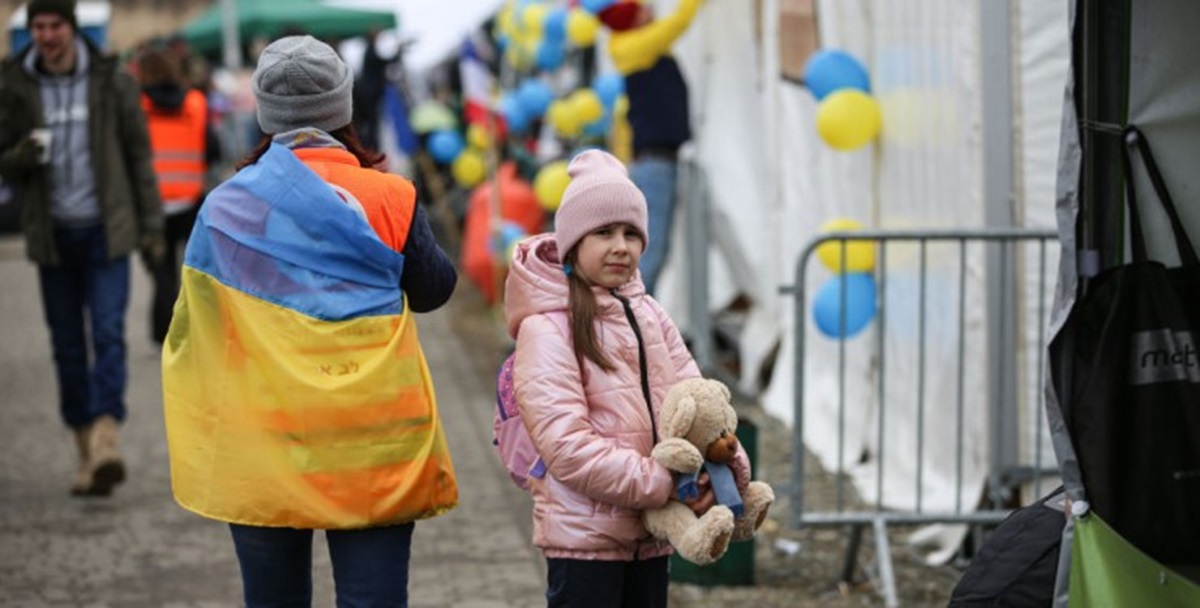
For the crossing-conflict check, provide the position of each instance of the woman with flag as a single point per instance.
(296, 393)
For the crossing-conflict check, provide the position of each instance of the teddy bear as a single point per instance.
(697, 423)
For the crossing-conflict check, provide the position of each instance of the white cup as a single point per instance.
(43, 137)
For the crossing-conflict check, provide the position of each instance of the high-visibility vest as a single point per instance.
(177, 139)
(295, 390)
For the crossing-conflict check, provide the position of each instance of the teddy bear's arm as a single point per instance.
(678, 455)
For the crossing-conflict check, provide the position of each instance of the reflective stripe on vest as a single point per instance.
(177, 139)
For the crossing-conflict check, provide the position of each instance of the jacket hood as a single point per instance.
(536, 284)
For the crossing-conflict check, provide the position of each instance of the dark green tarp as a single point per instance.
(268, 18)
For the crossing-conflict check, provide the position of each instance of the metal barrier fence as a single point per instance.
(1008, 259)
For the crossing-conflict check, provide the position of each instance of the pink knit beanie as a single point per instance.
(599, 194)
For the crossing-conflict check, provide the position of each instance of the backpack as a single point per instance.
(512, 441)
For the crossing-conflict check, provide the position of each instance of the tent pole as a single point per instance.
(231, 48)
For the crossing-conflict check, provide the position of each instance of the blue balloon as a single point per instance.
(535, 96)
(550, 54)
(608, 87)
(595, 6)
(599, 128)
(555, 25)
(510, 232)
(514, 113)
(859, 308)
(445, 145)
(829, 70)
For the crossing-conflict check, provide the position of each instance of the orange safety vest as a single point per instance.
(177, 138)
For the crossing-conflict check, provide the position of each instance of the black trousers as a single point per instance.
(574, 583)
(167, 275)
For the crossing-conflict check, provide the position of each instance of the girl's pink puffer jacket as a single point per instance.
(591, 427)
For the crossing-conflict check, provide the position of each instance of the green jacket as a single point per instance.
(119, 146)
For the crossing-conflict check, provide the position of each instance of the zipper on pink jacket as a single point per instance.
(637, 332)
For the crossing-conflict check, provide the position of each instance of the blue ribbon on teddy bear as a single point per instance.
(687, 486)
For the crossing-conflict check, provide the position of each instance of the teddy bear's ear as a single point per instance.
(678, 419)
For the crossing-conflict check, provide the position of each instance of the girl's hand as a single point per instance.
(706, 498)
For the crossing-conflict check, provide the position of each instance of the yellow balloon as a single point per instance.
(621, 106)
(532, 18)
(860, 254)
(518, 56)
(477, 137)
(847, 119)
(582, 27)
(506, 21)
(563, 118)
(550, 183)
(469, 168)
(587, 106)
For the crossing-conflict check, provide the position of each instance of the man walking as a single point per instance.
(73, 144)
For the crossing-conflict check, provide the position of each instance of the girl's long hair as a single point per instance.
(581, 306)
(346, 135)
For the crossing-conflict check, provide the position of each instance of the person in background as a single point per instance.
(184, 146)
(296, 394)
(73, 144)
(595, 357)
(640, 46)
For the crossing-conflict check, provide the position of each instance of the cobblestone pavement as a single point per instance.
(139, 549)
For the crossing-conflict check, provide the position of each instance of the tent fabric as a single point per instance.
(773, 182)
(1106, 570)
(268, 18)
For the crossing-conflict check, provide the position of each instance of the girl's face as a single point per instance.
(609, 256)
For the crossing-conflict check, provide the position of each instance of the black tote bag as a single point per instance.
(1134, 416)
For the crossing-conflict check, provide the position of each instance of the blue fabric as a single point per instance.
(687, 486)
(656, 178)
(278, 232)
(576, 583)
(86, 281)
(397, 111)
(658, 106)
(725, 487)
(370, 566)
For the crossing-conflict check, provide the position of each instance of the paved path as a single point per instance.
(138, 549)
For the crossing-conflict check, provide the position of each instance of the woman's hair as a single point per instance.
(581, 307)
(346, 135)
(158, 67)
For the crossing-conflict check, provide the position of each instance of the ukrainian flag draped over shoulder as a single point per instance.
(295, 390)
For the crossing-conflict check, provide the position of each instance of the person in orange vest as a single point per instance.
(296, 395)
(184, 147)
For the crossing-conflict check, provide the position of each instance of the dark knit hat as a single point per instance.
(62, 8)
(599, 194)
(301, 82)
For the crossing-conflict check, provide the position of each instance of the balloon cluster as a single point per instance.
(845, 304)
(537, 34)
(848, 117)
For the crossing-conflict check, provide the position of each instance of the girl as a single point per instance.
(595, 357)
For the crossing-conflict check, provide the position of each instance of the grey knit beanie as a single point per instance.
(600, 194)
(301, 82)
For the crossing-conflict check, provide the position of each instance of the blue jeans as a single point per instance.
(87, 288)
(370, 566)
(574, 583)
(656, 177)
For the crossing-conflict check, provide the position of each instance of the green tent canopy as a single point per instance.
(267, 18)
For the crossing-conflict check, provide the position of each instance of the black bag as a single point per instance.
(1133, 411)
(1017, 564)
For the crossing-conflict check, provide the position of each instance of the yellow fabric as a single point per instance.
(639, 48)
(275, 418)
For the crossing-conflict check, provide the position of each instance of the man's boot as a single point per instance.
(83, 475)
(104, 456)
